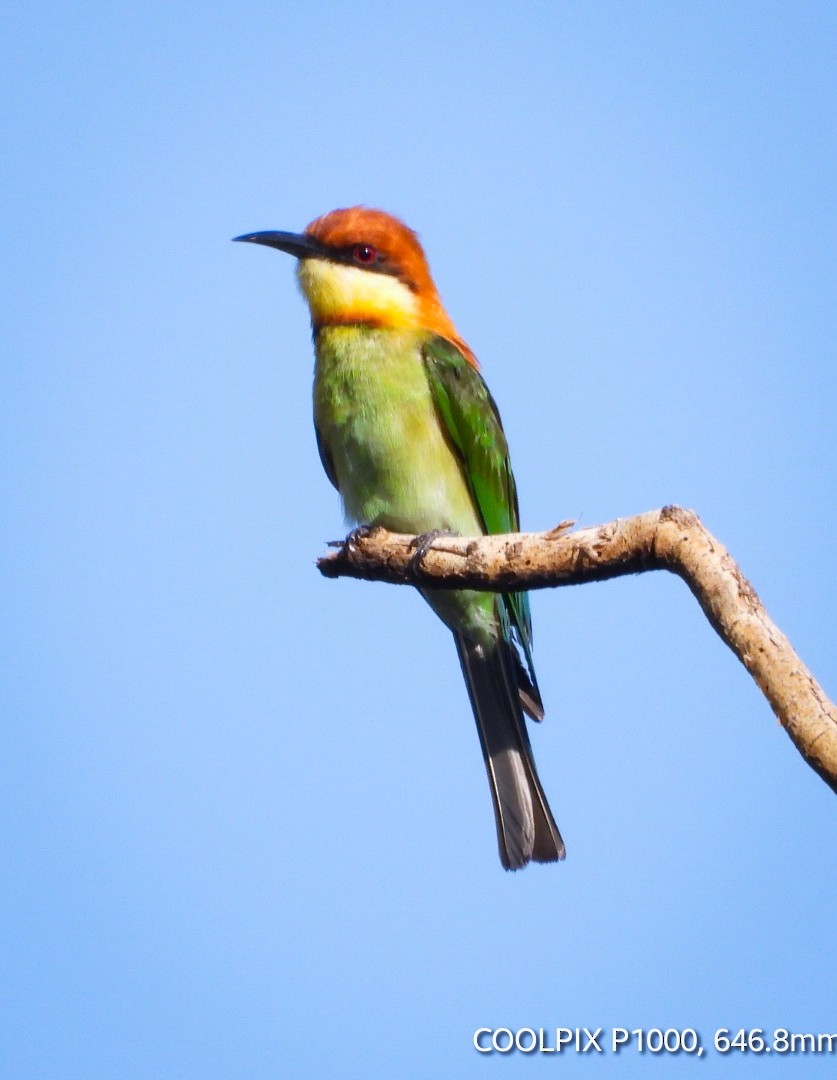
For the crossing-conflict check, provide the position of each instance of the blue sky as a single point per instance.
(245, 825)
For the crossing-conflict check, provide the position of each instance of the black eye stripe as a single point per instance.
(376, 262)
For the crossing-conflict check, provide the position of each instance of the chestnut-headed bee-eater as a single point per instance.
(411, 438)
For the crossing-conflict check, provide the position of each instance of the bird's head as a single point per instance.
(360, 266)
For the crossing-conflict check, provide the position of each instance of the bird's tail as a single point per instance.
(526, 830)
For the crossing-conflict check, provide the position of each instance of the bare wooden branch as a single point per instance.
(669, 539)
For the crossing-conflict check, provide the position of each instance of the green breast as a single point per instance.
(392, 460)
(377, 421)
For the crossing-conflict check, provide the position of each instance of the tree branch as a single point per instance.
(669, 539)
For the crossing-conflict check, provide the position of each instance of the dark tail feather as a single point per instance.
(526, 830)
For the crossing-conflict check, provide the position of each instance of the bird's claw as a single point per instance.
(423, 543)
(357, 534)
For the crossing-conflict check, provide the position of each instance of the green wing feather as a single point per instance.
(472, 421)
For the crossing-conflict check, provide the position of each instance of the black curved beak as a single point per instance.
(297, 244)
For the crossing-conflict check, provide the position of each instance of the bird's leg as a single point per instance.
(423, 544)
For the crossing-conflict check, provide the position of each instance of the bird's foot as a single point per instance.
(359, 533)
(423, 543)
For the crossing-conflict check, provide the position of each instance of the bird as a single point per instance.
(409, 435)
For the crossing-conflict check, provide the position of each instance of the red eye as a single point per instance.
(364, 254)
